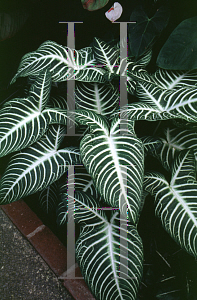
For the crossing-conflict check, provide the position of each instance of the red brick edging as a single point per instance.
(47, 245)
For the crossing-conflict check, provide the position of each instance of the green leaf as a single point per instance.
(21, 120)
(105, 54)
(143, 60)
(82, 180)
(36, 167)
(175, 141)
(180, 103)
(180, 50)
(98, 252)
(48, 198)
(138, 73)
(114, 158)
(93, 4)
(151, 144)
(100, 98)
(142, 33)
(24, 121)
(131, 86)
(175, 202)
(175, 79)
(181, 139)
(98, 249)
(58, 101)
(141, 111)
(62, 62)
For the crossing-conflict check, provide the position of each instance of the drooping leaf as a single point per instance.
(101, 98)
(180, 50)
(93, 4)
(142, 33)
(175, 202)
(114, 159)
(62, 62)
(98, 251)
(36, 167)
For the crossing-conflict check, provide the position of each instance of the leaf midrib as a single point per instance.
(20, 124)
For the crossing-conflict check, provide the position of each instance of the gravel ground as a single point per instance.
(23, 273)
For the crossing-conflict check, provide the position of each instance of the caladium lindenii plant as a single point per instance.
(113, 156)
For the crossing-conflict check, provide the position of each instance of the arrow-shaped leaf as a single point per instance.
(114, 161)
(110, 269)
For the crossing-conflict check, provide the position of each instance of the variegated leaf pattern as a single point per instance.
(162, 104)
(59, 104)
(139, 74)
(142, 61)
(167, 79)
(106, 55)
(24, 121)
(131, 84)
(158, 147)
(175, 141)
(115, 162)
(38, 166)
(135, 71)
(145, 58)
(100, 98)
(82, 181)
(98, 250)
(151, 144)
(181, 103)
(63, 63)
(21, 120)
(142, 111)
(58, 101)
(96, 123)
(84, 205)
(175, 202)
(48, 198)
(110, 269)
